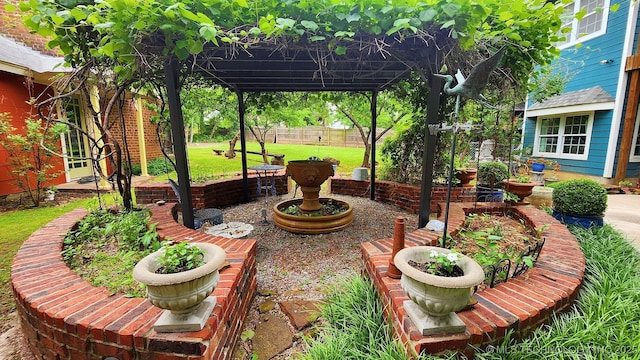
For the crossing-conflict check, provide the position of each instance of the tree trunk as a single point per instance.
(265, 156)
(232, 145)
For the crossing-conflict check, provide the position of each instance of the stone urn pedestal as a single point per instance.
(435, 299)
(183, 295)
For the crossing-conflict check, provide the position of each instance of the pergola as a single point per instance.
(367, 64)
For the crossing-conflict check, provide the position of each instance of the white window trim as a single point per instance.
(558, 154)
(574, 26)
(632, 157)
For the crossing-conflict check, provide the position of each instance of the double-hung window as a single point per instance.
(583, 20)
(635, 148)
(564, 136)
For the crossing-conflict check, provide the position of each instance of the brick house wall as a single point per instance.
(130, 109)
(11, 27)
(13, 95)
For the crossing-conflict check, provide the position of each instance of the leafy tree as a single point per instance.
(357, 110)
(266, 110)
(208, 110)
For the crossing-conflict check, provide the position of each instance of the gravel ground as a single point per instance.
(295, 266)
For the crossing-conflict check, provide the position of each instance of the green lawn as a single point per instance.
(15, 228)
(203, 162)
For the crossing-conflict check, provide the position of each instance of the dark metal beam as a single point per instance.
(179, 143)
(243, 146)
(374, 125)
(433, 108)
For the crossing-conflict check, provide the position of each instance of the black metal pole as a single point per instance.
(433, 107)
(243, 145)
(179, 142)
(374, 125)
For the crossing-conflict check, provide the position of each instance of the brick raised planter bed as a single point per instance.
(210, 194)
(404, 196)
(521, 304)
(64, 317)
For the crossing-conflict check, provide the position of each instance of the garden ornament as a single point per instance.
(472, 86)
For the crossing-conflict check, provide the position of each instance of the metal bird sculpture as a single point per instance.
(472, 86)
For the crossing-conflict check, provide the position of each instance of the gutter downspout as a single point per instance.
(621, 91)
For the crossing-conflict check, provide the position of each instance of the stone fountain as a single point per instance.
(309, 214)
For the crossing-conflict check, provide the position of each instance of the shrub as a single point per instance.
(159, 166)
(491, 173)
(579, 197)
(136, 169)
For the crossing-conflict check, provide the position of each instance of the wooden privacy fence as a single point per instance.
(316, 135)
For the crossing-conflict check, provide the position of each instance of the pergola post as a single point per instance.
(243, 145)
(179, 142)
(374, 126)
(433, 108)
(633, 66)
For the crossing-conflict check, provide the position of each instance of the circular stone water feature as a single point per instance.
(316, 215)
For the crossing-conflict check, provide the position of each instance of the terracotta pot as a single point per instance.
(521, 190)
(466, 176)
(434, 299)
(181, 292)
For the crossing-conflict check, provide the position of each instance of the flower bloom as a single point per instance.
(433, 254)
(452, 257)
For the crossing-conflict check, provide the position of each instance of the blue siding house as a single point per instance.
(591, 129)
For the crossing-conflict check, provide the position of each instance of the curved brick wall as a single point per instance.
(210, 194)
(521, 304)
(402, 195)
(64, 317)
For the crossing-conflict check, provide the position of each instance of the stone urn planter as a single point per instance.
(465, 176)
(520, 189)
(435, 299)
(184, 295)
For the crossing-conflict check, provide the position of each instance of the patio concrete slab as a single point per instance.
(623, 214)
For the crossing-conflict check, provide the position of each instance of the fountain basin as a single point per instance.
(309, 223)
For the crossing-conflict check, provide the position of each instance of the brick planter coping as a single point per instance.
(520, 305)
(65, 317)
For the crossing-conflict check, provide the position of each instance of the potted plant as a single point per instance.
(489, 179)
(465, 170)
(580, 202)
(179, 278)
(51, 193)
(435, 292)
(521, 186)
(625, 185)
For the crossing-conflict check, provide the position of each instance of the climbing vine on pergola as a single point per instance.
(287, 45)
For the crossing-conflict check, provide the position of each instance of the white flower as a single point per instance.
(453, 257)
(433, 254)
